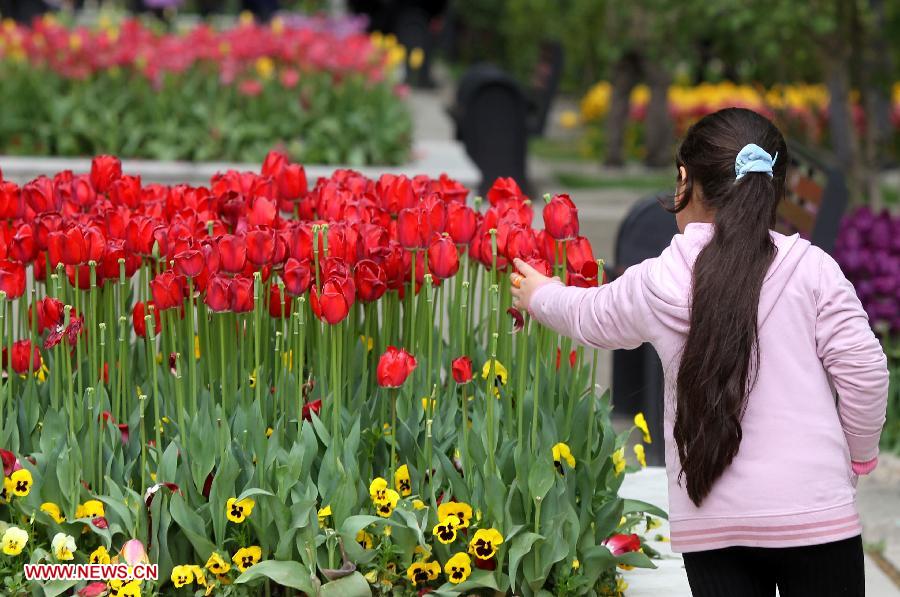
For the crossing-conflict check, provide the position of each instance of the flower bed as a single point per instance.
(325, 97)
(215, 375)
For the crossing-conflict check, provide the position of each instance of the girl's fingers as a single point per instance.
(525, 269)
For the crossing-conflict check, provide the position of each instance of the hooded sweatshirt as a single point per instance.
(818, 404)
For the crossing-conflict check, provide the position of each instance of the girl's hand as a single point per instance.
(525, 282)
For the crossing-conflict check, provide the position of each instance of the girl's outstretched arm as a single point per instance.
(610, 316)
(853, 357)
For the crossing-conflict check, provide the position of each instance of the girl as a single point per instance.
(757, 331)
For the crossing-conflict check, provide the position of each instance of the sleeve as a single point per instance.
(610, 316)
(853, 357)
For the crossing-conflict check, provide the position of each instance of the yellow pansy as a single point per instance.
(323, 514)
(99, 556)
(121, 588)
(402, 482)
(199, 574)
(618, 459)
(21, 482)
(501, 375)
(365, 540)
(576, 564)
(418, 504)
(652, 523)
(217, 565)
(484, 544)
(246, 557)
(368, 342)
(238, 510)
(13, 541)
(639, 454)
(53, 511)
(90, 509)
(422, 572)
(458, 568)
(445, 530)
(423, 553)
(641, 423)
(386, 507)
(378, 490)
(182, 575)
(460, 510)
(63, 546)
(371, 576)
(561, 452)
(269, 431)
(252, 379)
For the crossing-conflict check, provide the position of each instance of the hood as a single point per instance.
(668, 281)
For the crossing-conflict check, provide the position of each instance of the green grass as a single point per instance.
(566, 150)
(638, 182)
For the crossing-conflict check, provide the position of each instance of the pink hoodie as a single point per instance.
(791, 482)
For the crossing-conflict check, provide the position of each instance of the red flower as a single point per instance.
(240, 295)
(94, 589)
(335, 299)
(260, 247)
(394, 367)
(277, 307)
(461, 223)
(311, 407)
(443, 257)
(67, 247)
(105, 170)
(10, 462)
(580, 263)
(462, 370)
(100, 522)
(273, 164)
(22, 246)
(561, 218)
(139, 322)
(217, 294)
(371, 281)
(232, 254)
(291, 183)
(505, 189)
(619, 544)
(190, 263)
(12, 279)
(573, 356)
(23, 354)
(297, 276)
(412, 228)
(168, 290)
(49, 313)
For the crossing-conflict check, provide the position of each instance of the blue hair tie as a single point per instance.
(753, 158)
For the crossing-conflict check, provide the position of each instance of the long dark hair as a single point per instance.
(720, 358)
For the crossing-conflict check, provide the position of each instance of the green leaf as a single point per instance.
(480, 579)
(520, 546)
(354, 585)
(286, 574)
(252, 492)
(540, 478)
(192, 525)
(639, 506)
(635, 558)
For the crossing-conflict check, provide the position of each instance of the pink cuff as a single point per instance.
(864, 468)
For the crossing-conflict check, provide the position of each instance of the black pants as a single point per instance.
(825, 570)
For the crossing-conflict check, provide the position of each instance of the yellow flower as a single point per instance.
(378, 490)
(53, 511)
(425, 403)
(445, 530)
(568, 119)
(238, 511)
(182, 575)
(386, 508)
(246, 557)
(99, 556)
(217, 565)
(371, 576)
(639, 454)
(21, 482)
(460, 510)
(13, 541)
(641, 423)
(365, 540)
(561, 452)
(121, 588)
(63, 546)
(422, 572)
(199, 574)
(576, 564)
(416, 58)
(323, 513)
(368, 342)
(484, 544)
(423, 553)
(264, 67)
(253, 379)
(652, 523)
(246, 18)
(618, 459)
(402, 482)
(75, 41)
(277, 25)
(418, 504)
(502, 375)
(458, 568)
(90, 509)
(196, 347)
(269, 431)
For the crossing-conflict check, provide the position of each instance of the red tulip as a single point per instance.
(273, 163)
(190, 263)
(168, 290)
(580, 263)
(462, 369)
(12, 279)
(40, 195)
(138, 313)
(260, 247)
(370, 279)
(105, 170)
(217, 294)
(94, 589)
(619, 544)
(23, 355)
(412, 228)
(561, 218)
(126, 191)
(49, 313)
(10, 200)
(520, 243)
(232, 253)
(297, 276)
(262, 213)
(240, 295)
(44, 224)
(461, 223)
(311, 407)
(22, 246)
(443, 257)
(394, 367)
(335, 299)
(277, 307)
(291, 183)
(505, 189)
(67, 247)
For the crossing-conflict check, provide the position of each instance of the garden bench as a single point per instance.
(815, 199)
(495, 115)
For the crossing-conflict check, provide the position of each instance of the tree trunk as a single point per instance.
(624, 78)
(876, 92)
(659, 133)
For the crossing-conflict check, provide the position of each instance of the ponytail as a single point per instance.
(720, 358)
